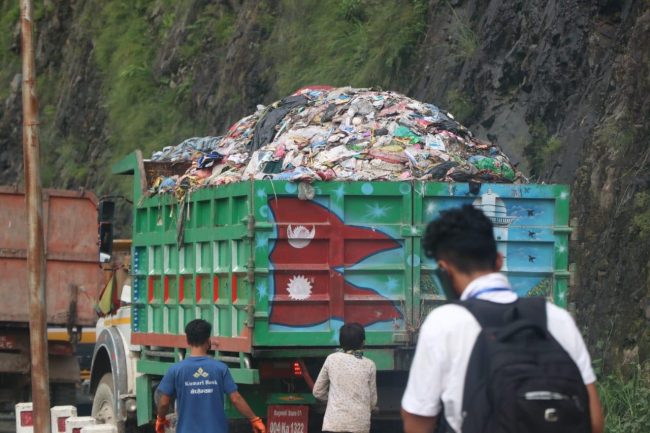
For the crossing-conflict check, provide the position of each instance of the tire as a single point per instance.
(104, 410)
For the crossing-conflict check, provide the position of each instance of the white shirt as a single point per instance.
(447, 338)
(349, 385)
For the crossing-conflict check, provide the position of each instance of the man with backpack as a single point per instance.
(493, 362)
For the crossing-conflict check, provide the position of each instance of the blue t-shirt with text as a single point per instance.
(199, 384)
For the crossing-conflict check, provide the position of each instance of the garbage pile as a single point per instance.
(344, 134)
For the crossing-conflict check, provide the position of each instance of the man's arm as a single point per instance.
(568, 335)
(163, 409)
(418, 424)
(163, 405)
(373, 387)
(166, 390)
(421, 403)
(322, 385)
(241, 405)
(595, 409)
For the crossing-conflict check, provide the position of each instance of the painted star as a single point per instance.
(431, 208)
(391, 283)
(340, 192)
(261, 242)
(376, 210)
(262, 291)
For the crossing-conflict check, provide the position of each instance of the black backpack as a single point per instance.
(519, 378)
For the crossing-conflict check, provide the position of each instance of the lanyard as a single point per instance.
(490, 290)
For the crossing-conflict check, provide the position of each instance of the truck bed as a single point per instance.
(272, 270)
(73, 275)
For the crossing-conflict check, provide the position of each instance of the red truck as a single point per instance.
(73, 282)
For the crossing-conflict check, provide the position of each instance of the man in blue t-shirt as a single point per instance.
(199, 384)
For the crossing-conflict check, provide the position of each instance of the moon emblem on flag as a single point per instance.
(299, 237)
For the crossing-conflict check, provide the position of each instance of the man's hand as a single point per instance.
(418, 424)
(258, 425)
(161, 423)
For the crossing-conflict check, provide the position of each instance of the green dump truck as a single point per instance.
(278, 273)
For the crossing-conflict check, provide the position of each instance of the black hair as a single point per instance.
(463, 236)
(198, 332)
(352, 336)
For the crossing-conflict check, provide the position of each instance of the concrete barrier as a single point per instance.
(99, 428)
(58, 415)
(24, 418)
(76, 423)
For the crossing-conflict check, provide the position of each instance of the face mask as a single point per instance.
(445, 284)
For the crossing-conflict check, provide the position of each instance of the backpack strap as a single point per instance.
(495, 315)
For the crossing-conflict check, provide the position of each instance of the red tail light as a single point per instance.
(297, 369)
(76, 430)
(60, 424)
(26, 419)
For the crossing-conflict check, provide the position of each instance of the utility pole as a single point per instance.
(35, 249)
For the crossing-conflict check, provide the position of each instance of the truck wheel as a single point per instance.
(104, 410)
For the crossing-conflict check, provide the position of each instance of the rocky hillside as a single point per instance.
(562, 85)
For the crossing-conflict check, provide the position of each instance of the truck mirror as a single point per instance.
(105, 213)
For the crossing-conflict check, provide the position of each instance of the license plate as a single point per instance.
(288, 419)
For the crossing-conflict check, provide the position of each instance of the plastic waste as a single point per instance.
(495, 165)
(322, 134)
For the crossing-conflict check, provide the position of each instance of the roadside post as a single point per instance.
(34, 204)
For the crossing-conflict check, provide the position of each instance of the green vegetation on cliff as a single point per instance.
(9, 60)
(143, 112)
(345, 42)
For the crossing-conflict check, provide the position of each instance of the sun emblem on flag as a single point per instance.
(299, 288)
